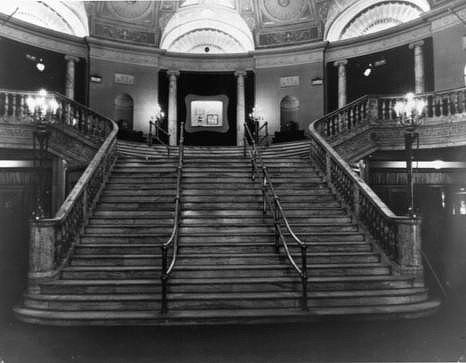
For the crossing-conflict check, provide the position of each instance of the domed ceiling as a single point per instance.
(218, 26)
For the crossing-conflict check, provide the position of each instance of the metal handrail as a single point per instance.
(266, 135)
(174, 237)
(157, 128)
(278, 213)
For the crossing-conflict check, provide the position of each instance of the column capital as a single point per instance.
(240, 73)
(71, 58)
(418, 43)
(173, 72)
(341, 62)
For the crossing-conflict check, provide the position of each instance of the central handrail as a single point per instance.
(278, 213)
(174, 237)
(157, 129)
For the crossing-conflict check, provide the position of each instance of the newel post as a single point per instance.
(409, 245)
(42, 250)
(373, 109)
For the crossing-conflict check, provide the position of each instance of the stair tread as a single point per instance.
(227, 280)
(198, 315)
(230, 295)
(221, 267)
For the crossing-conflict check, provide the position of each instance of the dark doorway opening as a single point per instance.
(387, 72)
(207, 84)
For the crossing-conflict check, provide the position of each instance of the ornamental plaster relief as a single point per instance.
(392, 40)
(448, 20)
(125, 56)
(280, 60)
(206, 65)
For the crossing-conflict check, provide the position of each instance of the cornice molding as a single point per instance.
(36, 36)
(111, 51)
(201, 63)
(289, 59)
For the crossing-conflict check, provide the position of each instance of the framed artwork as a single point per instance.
(206, 113)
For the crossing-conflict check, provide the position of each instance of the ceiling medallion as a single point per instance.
(283, 10)
(130, 9)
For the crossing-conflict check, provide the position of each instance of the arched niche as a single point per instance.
(289, 111)
(123, 111)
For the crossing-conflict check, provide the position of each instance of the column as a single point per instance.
(70, 75)
(172, 106)
(341, 64)
(419, 81)
(240, 107)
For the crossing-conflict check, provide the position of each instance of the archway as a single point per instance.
(289, 110)
(123, 111)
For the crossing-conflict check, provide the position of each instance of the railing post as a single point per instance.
(304, 276)
(42, 249)
(373, 110)
(266, 134)
(164, 278)
(409, 245)
(149, 137)
(244, 146)
(264, 191)
(276, 222)
(328, 167)
(356, 205)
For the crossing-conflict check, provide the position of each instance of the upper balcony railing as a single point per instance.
(52, 239)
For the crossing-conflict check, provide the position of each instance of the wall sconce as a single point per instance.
(317, 81)
(255, 115)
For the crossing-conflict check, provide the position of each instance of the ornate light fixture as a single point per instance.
(42, 108)
(255, 117)
(158, 114)
(410, 115)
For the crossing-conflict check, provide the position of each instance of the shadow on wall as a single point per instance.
(123, 111)
(289, 110)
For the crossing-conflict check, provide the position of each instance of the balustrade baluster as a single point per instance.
(7, 101)
(383, 105)
(463, 101)
(22, 107)
(13, 105)
(448, 98)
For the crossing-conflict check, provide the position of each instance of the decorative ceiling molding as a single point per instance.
(218, 27)
(203, 41)
(377, 43)
(36, 36)
(367, 16)
(62, 16)
(380, 17)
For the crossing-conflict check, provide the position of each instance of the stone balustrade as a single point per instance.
(370, 123)
(52, 239)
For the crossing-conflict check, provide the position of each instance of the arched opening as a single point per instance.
(123, 111)
(207, 27)
(289, 110)
(356, 18)
(68, 17)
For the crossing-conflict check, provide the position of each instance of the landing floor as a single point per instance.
(438, 338)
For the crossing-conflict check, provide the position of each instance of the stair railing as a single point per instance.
(158, 130)
(52, 239)
(167, 267)
(399, 236)
(271, 199)
(260, 140)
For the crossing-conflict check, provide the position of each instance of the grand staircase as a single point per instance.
(228, 269)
